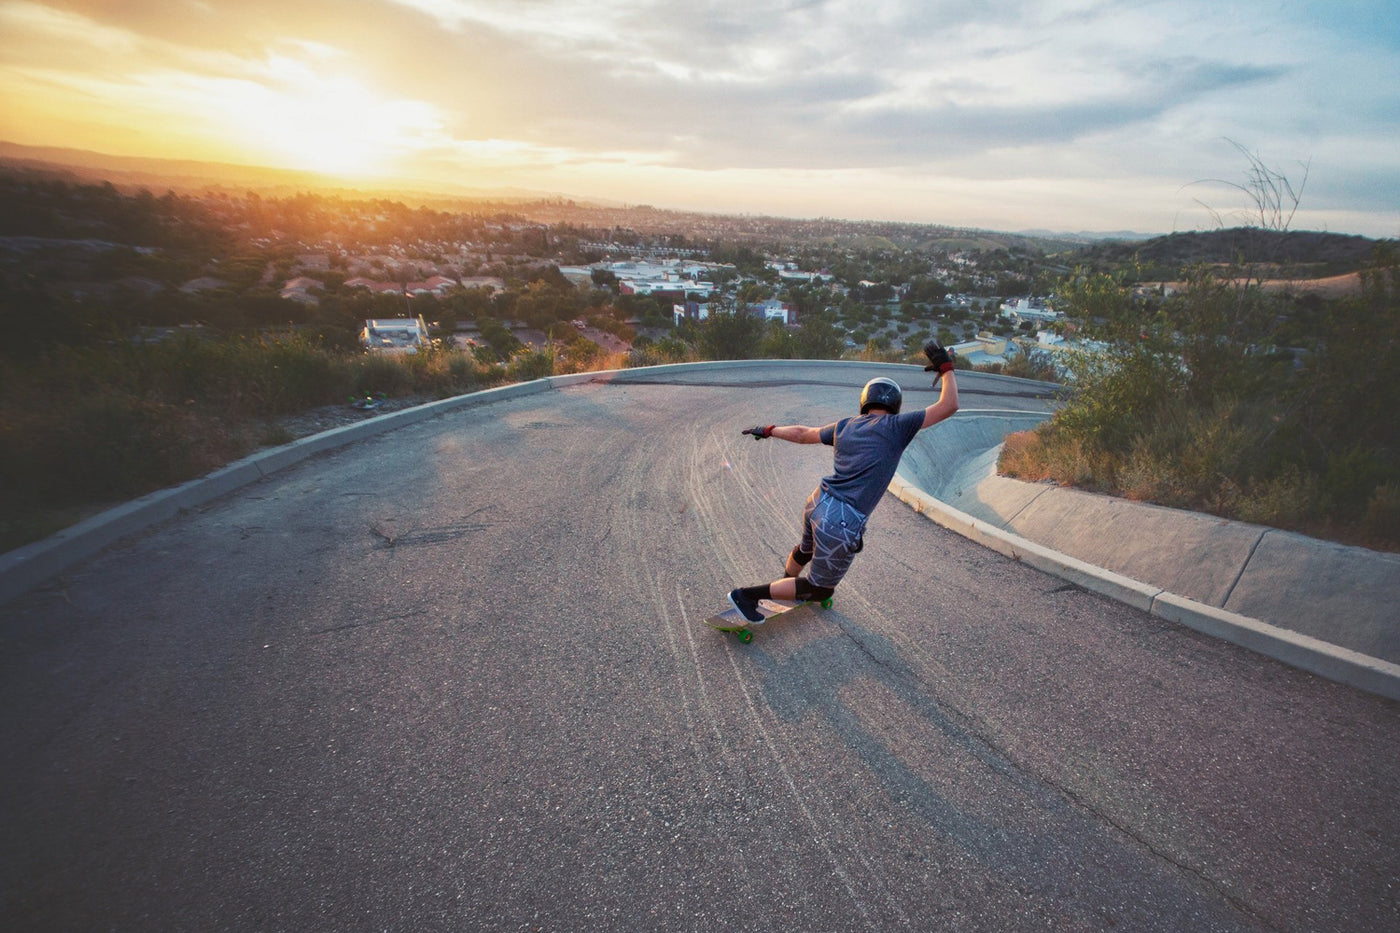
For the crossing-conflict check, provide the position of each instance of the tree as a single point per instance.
(818, 339)
(730, 335)
(753, 292)
(498, 338)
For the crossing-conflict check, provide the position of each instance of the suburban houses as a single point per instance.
(770, 309)
(878, 302)
(436, 285)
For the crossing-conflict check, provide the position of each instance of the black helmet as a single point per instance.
(881, 393)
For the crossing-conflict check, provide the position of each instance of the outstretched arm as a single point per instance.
(947, 403)
(940, 360)
(794, 433)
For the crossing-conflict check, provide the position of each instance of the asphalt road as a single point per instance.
(456, 677)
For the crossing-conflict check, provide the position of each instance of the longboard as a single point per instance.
(732, 621)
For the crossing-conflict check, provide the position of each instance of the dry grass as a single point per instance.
(1335, 286)
(1293, 500)
(1055, 457)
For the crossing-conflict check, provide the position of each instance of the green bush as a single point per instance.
(1193, 406)
(529, 365)
(727, 335)
(1034, 365)
(376, 373)
(107, 447)
(667, 350)
(1382, 521)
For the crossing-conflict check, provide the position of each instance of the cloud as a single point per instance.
(931, 93)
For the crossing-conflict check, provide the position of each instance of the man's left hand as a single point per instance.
(939, 358)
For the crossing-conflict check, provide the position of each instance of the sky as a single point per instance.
(1065, 115)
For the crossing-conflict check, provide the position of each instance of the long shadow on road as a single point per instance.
(1014, 823)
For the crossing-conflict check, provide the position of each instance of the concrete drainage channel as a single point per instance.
(1334, 662)
(953, 483)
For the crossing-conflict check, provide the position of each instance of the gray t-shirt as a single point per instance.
(867, 453)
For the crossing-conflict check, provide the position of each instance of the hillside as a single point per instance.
(130, 175)
(1244, 244)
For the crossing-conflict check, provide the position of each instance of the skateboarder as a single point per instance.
(867, 452)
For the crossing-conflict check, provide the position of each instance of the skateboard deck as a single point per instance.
(732, 621)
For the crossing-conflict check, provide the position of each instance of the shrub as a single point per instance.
(667, 350)
(109, 447)
(1288, 500)
(529, 365)
(91, 425)
(1382, 521)
(1034, 365)
(380, 373)
(463, 372)
(1192, 406)
(1048, 453)
(727, 335)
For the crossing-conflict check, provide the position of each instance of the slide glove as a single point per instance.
(760, 432)
(939, 358)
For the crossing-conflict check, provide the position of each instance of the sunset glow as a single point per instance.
(1069, 115)
(305, 120)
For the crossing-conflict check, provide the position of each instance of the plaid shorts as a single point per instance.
(833, 533)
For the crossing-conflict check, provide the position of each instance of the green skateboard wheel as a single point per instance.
(745, 636)
(826, 603)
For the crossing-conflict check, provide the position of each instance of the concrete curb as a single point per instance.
(1301, 651)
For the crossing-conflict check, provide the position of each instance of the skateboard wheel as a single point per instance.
(745, 636)
(826, 603)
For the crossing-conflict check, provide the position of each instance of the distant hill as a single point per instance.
(154, 174)
(1087, 236)
(1328, 253)
(1247, 244)
(130, 173)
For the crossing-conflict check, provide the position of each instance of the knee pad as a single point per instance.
(799, 558)
(808, 593)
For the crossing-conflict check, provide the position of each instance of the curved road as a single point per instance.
(456, 678)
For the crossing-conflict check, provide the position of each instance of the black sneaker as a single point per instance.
(748, 608)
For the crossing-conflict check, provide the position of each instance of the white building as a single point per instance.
(985, 349)
(774, 310)
(797, 275)
(1029, 309)
(667, 277)
(395, 335)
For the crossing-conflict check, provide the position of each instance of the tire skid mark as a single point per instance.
(712, 715)
(760, 497)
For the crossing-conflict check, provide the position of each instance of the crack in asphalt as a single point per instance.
(370, 622)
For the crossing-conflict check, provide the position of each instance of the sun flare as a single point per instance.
(328, 124)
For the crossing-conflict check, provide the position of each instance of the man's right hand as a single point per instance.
(760, 432)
